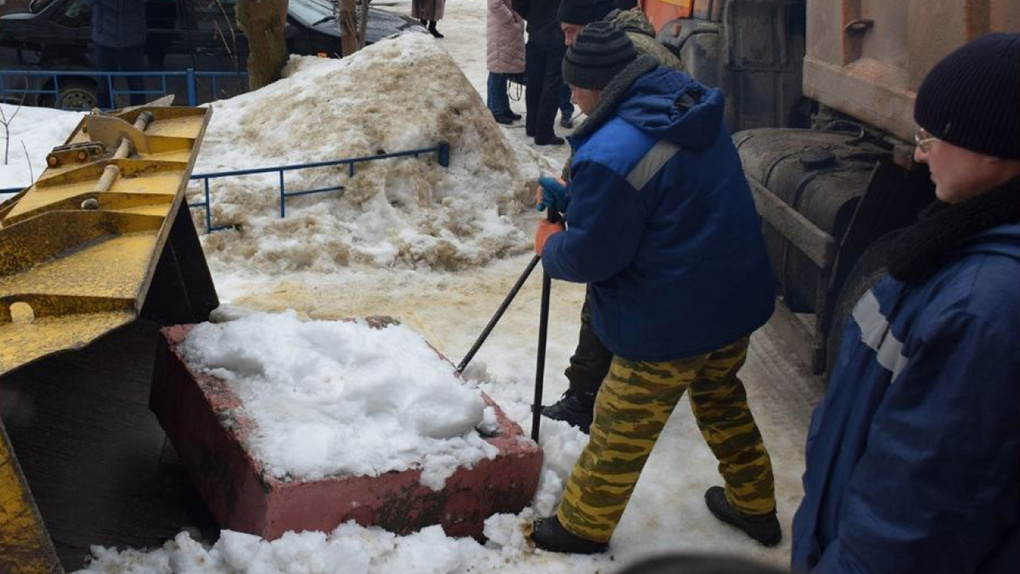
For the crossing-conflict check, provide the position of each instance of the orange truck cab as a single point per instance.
(659, 12)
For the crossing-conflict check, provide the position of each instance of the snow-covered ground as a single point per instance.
(438, 250)
(26, 136)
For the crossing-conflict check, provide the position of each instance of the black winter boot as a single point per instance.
(553, 140)
(433, 31)
(549, 534)
(575, 408)
(765, 528)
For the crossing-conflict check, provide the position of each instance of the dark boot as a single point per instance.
(549, 534)
(433, 31)
(554, 140)
(576, 408)
(765, 528)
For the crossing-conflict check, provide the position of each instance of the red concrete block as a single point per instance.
(198, 412)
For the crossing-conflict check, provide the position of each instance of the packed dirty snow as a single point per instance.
(343, 398)
(400, 94)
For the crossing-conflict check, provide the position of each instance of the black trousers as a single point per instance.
(130, 59)
(543, 66)
(590, 362)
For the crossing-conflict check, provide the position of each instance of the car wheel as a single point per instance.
(869, 268)
(77, 94)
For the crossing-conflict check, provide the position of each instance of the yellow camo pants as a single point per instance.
(633, 405)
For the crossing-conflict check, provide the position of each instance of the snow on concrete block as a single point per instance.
(208, 427)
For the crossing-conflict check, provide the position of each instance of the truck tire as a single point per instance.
(869, 268)
(75, 94)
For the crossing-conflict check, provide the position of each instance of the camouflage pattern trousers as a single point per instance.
(632, 407)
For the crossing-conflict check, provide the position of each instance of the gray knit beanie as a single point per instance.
(600, 52)
(971, 98)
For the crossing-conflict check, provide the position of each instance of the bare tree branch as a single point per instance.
(7, 129)
(16, 110)
(31, 174)
(233, 36)
(7, 134)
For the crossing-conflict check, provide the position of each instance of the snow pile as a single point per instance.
(30, 134)
(349, 549)
(343, 398)
(399, 94)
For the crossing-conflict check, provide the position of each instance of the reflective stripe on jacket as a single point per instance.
(662, 225)
(913, 454)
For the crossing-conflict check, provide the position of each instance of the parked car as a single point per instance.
(198, 34)
(8, 6)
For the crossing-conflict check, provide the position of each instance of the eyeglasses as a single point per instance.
(924, 140)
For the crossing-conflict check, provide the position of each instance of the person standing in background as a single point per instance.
(566, 108)
(543, 60)
(118, 38)
(428, 12)
(574, 15)
(504, 34)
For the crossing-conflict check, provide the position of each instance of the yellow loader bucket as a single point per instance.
(78, 248)
(94, 256)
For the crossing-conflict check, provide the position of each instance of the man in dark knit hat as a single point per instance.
(661, 225)
(590, 362)
(573, 15)
(913, 454)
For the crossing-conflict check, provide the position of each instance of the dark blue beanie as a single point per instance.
(971, 98)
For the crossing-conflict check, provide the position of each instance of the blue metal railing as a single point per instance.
(442, 151)
(190, 77)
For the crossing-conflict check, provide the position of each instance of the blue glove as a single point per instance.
(554, 195)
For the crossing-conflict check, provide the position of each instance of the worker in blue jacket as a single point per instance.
(913, 454)
(661, 225)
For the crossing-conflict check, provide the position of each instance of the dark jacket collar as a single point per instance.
(613, 94)
(942, 228)
(660, 102)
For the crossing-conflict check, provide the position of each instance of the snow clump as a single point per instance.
(343, 398)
